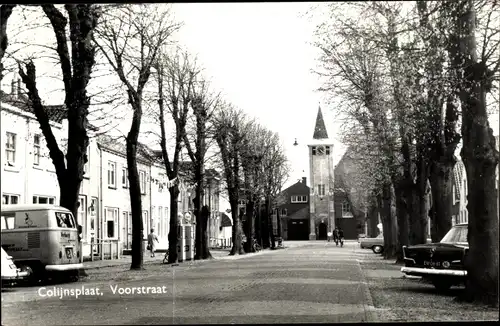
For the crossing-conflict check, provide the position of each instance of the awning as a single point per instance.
(225, 220)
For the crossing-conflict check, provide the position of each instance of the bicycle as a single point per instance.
(165, 258)
(256, 245)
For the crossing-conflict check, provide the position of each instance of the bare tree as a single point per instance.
(230, 127)
(204, 105)
(176, 79)
(5, 12)
(479, 154)
(76, 73)
(130, 39)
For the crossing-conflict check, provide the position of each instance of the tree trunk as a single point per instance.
(205, 216)
(249, 226)
(198, 199)
(174, 224)
(480, 158)
(441, 179)
(270, 223)
(420, 215)
(135, 203)
(402, 217)
(388, 222)
(237, 248)
(373, 221)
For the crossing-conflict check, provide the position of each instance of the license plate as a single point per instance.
(69, 253)
(432, 263)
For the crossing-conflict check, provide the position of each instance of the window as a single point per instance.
(313, 150)
(8, 221)
(82, 209)
(321, 190)
(145, 223)
(10, 148)
(299, 199)
(327, 150)
(65, 220)
(142, 179)
(10, 199)
(346, 209)
(111, 174)
(44, 200)
(36, 150)
(111, 219)
(284, 212)
(125, 177)
(331, 206)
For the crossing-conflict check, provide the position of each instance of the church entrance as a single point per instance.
(322, 234)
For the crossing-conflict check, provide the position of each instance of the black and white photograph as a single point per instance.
(250, 162)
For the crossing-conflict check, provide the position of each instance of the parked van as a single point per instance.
(10, 272)
(42, 239)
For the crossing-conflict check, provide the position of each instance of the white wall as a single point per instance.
(25, 179)
(160, 205)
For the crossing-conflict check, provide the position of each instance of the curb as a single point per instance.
(370, 310)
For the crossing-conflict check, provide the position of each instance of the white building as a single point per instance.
(28, 174)
(160, 204)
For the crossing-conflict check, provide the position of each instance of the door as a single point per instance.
(322, 233)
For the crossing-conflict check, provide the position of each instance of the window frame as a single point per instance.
(37, 147)
(346, 212)
(114, 218)
(10, 147)
(125, 175)
(111, 174)
(9, 200)
(321, 190)
(142, 181)
(49, 199)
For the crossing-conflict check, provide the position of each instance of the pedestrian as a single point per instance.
(330, 235)
(341, 236)
(336, 235)
(151, 242)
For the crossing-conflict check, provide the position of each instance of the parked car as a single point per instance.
(442, 263)
(375, 244)
(10, 272)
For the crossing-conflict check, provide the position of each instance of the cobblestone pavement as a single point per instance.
(309, 282)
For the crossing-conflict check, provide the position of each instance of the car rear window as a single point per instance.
(65, 220)
(456, 234)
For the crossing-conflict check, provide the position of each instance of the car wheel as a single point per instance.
(377, 249)
(441, 284)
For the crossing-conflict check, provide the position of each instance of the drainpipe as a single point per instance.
(101, 208)
(26, 170)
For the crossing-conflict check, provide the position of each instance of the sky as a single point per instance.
(258, 54)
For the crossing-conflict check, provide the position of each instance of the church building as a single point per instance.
(321, 204)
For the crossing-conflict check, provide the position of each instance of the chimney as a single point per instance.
(304, 180)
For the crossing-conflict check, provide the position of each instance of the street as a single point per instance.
(311, 282)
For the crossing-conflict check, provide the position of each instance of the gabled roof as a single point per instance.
(56, 113)
(119, 146)
(320, 129)
(225, 220)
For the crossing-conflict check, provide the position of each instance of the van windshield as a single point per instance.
(65, 220)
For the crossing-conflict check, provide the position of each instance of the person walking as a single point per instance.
(341, 236)
(151, 242)
(336, 235)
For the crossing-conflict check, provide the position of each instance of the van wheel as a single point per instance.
(377, 249)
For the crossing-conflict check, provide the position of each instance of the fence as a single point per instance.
(220, 243)
(101, 249)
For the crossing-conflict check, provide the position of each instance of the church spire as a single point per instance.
(320, 129)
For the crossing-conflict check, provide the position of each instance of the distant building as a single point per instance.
(294, 211)
(321, 206)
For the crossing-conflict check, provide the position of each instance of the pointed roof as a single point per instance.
(320, 129)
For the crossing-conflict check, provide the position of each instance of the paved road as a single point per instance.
(314, 282)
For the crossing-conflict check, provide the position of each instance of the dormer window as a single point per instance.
(298, 199)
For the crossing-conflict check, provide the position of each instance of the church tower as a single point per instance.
(322, 218)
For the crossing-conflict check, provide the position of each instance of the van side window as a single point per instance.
(8, 221)
(64, 220)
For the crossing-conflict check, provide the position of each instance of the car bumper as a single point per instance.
(65, 267)
(19, 275)
(415, 271)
